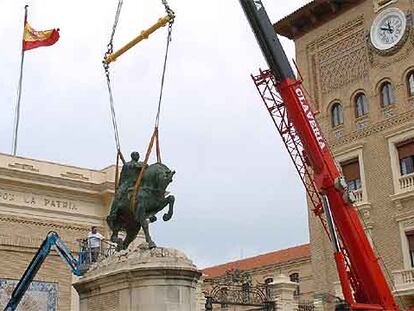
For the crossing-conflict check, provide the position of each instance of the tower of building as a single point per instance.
(357, 61)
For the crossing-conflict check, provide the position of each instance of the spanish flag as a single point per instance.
(33, 39)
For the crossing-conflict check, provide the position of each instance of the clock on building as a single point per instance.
(388, 29)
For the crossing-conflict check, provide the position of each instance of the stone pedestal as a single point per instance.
(161, 279)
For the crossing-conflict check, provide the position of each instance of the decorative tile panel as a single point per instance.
(343, 62)
(338, 57)
(40, 296)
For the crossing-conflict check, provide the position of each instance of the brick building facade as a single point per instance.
(294, 262)
(35, 198)
(361, 80)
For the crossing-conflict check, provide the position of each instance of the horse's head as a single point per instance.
(165, 178)
(169, 175)
(159, 175)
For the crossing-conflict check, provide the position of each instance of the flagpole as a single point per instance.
(19, 91)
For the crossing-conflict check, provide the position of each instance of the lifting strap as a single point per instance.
(155, 135)
(111, 56)
(119, 156)
(154, 138)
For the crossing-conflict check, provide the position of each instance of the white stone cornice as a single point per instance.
(32, 179)
(349, 148)
(30, 169)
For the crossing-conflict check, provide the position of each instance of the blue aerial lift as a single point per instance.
(78, 266)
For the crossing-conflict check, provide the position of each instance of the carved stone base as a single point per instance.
(140, 279)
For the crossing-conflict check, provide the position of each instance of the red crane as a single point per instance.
(363, 283)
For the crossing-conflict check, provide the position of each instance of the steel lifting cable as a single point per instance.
(111, 56)
(109, 51)
(155, 135)
(157, 118)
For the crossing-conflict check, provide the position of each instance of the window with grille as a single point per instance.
(387, 94)
(406, 156)
(267, 282)
(361, 105)
(410, 239)
(294, 277)
(350, 169)
(337, 115)
(245, 292)
(410, 83)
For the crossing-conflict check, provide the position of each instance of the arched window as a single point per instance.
(337, 114)
(361, 105)
(294, 277)
(387, 94)
(410, 83)
(268, 280)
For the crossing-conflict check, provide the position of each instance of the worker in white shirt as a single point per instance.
(94, 241)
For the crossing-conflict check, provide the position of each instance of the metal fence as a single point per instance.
(88, 255)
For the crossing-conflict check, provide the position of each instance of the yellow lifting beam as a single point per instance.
(143, 35)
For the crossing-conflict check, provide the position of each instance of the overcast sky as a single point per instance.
(237, 192)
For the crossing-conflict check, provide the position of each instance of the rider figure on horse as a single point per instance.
(129, 174)
(151, 198)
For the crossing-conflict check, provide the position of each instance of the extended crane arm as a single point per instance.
(37, 261)
(362, 280)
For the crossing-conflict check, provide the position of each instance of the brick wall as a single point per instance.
(20, 239)
(321, 55)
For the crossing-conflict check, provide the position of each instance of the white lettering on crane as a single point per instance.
(311, 118)
(258, 4)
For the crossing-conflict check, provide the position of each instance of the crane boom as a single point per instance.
(363, 282)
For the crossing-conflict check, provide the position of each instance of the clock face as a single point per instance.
(388, 28)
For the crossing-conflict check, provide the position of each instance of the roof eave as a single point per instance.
(311, 16)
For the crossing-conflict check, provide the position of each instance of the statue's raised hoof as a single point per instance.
(153, 219)
(166, 217)
(152, 245)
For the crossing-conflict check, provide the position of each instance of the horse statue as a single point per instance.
(150, 199)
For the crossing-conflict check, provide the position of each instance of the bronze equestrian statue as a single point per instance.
(150, 199)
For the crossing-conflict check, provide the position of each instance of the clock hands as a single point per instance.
(388, 28)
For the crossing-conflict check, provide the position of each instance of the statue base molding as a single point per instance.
(139, 278)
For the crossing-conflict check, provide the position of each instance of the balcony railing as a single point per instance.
(88, 255)
(358, 195)
(406, 182)
(403, 280)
